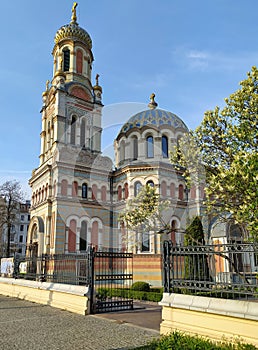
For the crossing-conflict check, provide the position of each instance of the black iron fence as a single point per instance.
(217, 270)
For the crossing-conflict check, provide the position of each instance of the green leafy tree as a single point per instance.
(144, 213)
(11, 194)
(226, 146)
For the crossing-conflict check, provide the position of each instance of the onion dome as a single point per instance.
(73, 31)
(153, 117)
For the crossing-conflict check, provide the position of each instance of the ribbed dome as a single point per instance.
(155, 118)
(74, 32)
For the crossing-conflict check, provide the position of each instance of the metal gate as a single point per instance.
(109, 280)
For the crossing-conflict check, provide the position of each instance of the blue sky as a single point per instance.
(192, 54)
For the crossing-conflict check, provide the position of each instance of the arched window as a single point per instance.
(103, 194)
(83, 131)
(73, 130)
(75, 189)
(137, 188)
(84, 190)
(172, 190)
(94, 190)
(181, 192)
(72, 237)
(83, 236)
(66, 53)
(164, 142)
(150, 147)
(135, 148)
(119, 193)
(95, 235)
(64, 185)
(126, 190)
(150, 183)
(79, 61)
(173, 231)
(163, 189)
(122, 150)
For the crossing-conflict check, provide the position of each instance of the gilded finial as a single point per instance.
(74, 17)
(153, 104)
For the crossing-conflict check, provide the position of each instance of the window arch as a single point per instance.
(84, 190)
(119, 193)
(72, 236)
(83, 236)
(126, 190)
(74, 189)
(94, 190)
(137, 188)
(163, 189)
(150, 183)
(64, 186)
(66, 63)
(83, 133)
(181, 192)
(95, 234)
(73, 130)
(135, 148)
(103, 193)
(122, 150)
(150, 146)
(164, 144)
(79, 61)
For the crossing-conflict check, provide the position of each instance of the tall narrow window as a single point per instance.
(94, 192)
(163, 189)
(164, 142)
(95, 234)
(126, 190)
(145, 242)
(66, 62)
(172, 190)
(84, 190)
(119, 193)
(83, 236)
(103, 194)
(137, 188)
(135, 148)
(73, 130)
(79, 61)
(64, 185)
(122, 150)
(150, 147)
(72, 236)
(74, 189)
(181, 192)
(82, 136)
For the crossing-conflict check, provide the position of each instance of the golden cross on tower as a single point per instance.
(74, 17)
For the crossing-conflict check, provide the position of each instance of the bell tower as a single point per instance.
(64, 185)
(72, 107)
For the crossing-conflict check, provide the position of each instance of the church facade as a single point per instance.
(77, 193)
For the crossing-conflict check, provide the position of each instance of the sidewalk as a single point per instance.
(30, 326)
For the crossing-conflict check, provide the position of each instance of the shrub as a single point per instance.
(141, 286)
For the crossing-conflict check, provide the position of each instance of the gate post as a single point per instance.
(167, 257)
(90, 279)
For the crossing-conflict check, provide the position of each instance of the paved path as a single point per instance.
(30, 326)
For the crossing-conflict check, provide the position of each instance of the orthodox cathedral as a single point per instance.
(77, 193)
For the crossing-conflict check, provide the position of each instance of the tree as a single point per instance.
(196, 265)
(11, 193)
(226, 144)
(145, 213)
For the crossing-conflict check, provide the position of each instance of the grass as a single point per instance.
(181, 341)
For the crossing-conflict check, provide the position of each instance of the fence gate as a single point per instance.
(110, 278)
